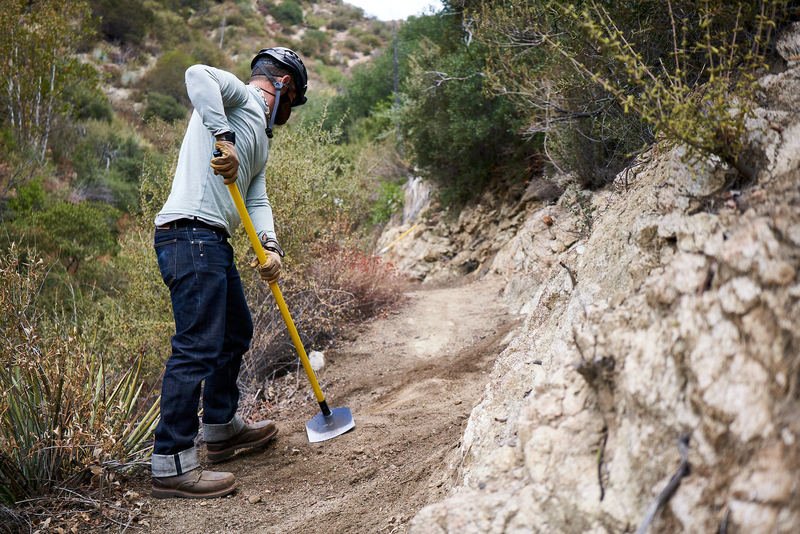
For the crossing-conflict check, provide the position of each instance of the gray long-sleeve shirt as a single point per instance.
(222, 103)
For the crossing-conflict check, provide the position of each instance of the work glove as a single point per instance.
(226, 165)
(271, 270)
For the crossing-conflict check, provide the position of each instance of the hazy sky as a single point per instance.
(394, 9)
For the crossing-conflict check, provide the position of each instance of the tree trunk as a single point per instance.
(49, 114)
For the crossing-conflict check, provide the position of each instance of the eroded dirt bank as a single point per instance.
(411, 380)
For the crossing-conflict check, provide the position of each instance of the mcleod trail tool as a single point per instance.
(328, 423)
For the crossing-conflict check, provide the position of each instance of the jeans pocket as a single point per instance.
(159, 244)
(167, 255)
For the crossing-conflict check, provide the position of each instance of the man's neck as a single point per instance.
(267, 89)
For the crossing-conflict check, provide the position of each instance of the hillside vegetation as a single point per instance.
(482, 97)
(93, 115)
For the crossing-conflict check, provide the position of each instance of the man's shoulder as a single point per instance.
(226, 80)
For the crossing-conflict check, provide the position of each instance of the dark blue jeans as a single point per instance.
(213, 330)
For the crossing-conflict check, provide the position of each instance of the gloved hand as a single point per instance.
(226, 165)
(271, 270)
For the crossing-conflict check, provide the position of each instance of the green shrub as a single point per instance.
(158, 169)
(235, 19)
(205, 51)
(380, 29)
(340, 23)
(390, 200)
(330, 75)
(128, 22)
(245, 8)
(170, 29)
(121, 192)
(168, 75)
(254, 29)
(594, 150)
(264, 6)
(30, 197)
(309, 184)
(106, 162)
(370, 42)
(350, 44)
(89, 103)
(315, 21)
(281, 39)
(315, 43)
(690, 100)
(288, 13)
(382, 121)
(459, 134)
(164, 107)
(181, 5)
(349, 13)
(77, 233)
(22, 190)
(314, 110)
(176, 5)
(369, 84)
(7, 141)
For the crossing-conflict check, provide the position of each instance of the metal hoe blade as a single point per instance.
(322, 427)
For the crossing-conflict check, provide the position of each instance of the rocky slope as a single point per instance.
(666, 306)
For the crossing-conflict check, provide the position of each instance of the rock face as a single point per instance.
(664, 305)
(441, 246)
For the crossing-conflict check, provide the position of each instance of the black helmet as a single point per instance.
(288, 59)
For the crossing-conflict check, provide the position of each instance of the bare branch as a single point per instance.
(444, 77)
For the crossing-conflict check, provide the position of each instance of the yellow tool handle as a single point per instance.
(276, 292)
(248, 224)
(393, 243)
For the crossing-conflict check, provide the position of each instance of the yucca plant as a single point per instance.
(62, 410)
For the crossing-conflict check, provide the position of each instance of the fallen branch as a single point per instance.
(667, 493)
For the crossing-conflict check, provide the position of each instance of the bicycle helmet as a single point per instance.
(289, 60)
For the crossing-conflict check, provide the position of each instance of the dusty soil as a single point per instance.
(410, 380)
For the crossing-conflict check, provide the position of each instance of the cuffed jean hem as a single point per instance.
(170, 465)
(225, 431)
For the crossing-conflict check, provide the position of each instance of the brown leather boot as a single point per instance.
(251, 437)
(195, 484)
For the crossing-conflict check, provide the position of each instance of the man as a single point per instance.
(213, 327)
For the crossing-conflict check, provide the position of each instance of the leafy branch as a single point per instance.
(708, 117)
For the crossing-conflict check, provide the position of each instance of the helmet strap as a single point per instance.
(278, 86)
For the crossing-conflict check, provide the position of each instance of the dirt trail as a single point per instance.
(411, 380)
